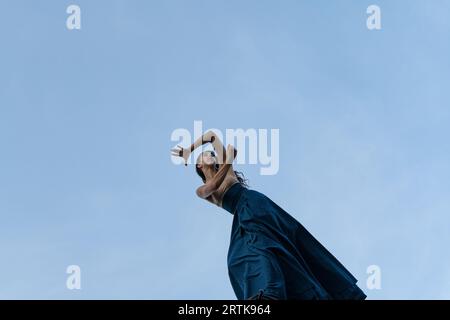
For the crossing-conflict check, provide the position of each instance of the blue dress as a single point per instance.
(272, 256)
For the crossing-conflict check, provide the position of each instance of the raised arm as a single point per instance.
(208, 137)
(212, 185)
(211, 137)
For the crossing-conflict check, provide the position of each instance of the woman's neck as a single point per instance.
(209, 173)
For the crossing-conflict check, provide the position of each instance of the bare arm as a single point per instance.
(212, 185)
(211, 137)
(208, 137)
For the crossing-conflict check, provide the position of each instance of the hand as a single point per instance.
(181, 152)
(231, 154)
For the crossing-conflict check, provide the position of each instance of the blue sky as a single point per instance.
(86, 118)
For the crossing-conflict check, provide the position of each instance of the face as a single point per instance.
(207, 158)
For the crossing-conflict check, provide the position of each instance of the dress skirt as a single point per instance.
(272, 256)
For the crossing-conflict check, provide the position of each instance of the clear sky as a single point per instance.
(86, 118)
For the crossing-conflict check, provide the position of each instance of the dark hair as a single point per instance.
(239, 175)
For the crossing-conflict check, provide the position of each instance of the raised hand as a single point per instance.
(179, 151)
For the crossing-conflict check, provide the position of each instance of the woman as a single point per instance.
(271, 255)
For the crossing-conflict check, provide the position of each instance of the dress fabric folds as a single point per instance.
(272, 256)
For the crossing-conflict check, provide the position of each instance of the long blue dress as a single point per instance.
(272, 256)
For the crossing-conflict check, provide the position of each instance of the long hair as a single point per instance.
(239, 175)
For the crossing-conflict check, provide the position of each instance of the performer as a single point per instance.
(271, 255)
